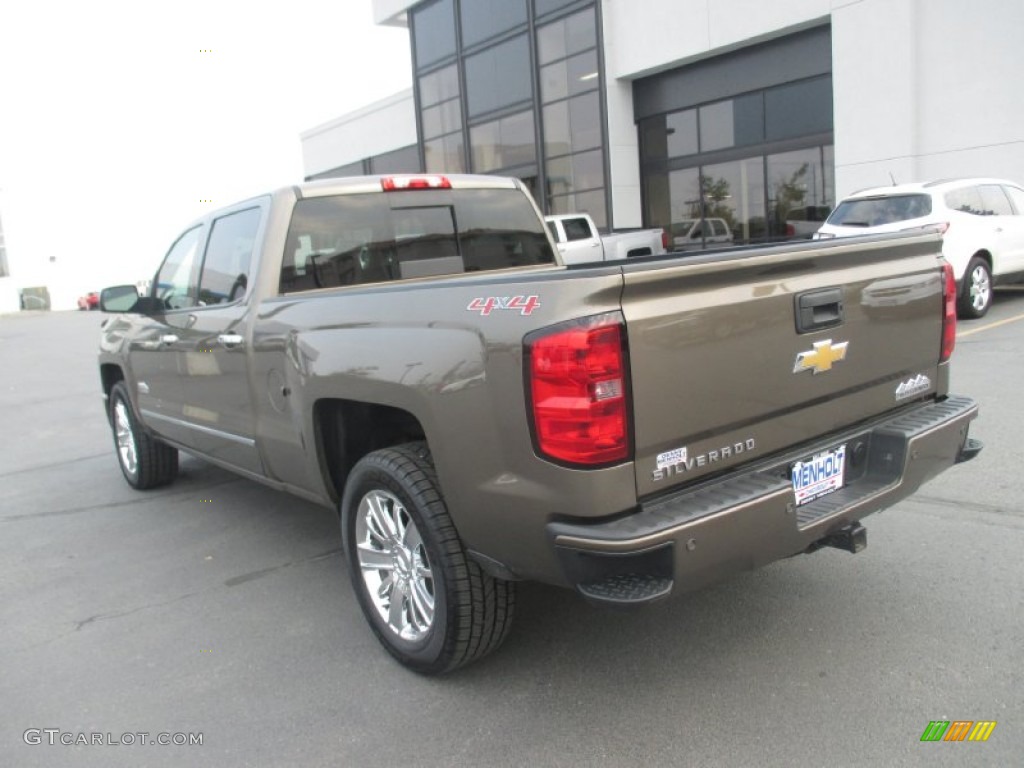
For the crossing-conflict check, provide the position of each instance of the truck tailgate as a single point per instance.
(739, 355)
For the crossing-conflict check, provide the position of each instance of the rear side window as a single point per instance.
(877, 211)
(357, 239)
(966, 200)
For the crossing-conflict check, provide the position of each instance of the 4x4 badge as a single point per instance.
(821, 358)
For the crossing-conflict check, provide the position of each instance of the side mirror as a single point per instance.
(120, 298)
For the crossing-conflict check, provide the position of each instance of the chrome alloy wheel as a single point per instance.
(980, 288)
(125, 438)
(394, 565)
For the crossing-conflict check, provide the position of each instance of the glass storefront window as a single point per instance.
(568, 36)
(732, 123)
(444, 154)
(592, 202)
(503, 143)
(499, 76)
(434, 32)
(798, 109)
(569, 77)
(483, 19)
(573, 125)
(672, 135)
(684, 201)
(735, 192)
(581, 171)
(681, 133)
(716, 126)
(441, 118)
(798, 196)
(546, 6)
(439, 86)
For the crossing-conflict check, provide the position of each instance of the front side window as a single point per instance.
(225, 276)
(174, 282)
(966, 200)
(1017, 196)
(576, 229)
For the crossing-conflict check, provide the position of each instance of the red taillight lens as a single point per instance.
(395, 183)
(948, 312)
(577, 381)
(664, 240)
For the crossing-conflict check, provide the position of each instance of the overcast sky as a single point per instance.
(115, 123)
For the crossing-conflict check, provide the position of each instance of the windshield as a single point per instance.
(878, 211)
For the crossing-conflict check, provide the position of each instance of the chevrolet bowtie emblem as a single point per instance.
(820, 358)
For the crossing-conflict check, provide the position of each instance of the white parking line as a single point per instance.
(1007, 321)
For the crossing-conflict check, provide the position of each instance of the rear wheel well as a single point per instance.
(983, 254)
(347, 430)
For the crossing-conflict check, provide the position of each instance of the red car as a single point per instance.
(91, 300)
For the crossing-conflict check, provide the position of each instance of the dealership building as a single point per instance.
(655, 112)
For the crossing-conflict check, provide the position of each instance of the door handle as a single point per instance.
(167, 339)
(819, 309)
(230, 340)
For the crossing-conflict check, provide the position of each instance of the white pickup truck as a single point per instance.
(579, 241)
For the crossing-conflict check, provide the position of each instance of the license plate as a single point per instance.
(819, 475)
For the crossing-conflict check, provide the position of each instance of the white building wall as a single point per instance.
(380, 127)
(927, 89)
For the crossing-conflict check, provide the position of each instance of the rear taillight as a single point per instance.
(577, 376)
(396, 183)
(664, 240)
(948, 312)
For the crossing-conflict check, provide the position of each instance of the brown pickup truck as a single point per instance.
(411, 352)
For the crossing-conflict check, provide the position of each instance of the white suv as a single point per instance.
(982, 221)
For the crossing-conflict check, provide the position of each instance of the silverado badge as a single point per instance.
(820, 358)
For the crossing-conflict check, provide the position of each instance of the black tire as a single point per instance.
(976, 290)
(472, 611)
(154, 463)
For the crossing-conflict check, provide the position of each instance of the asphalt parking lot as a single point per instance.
(221, 608)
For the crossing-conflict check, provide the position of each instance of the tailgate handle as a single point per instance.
(819, 309)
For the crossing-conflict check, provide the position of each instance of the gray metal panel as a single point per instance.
(794, 57)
